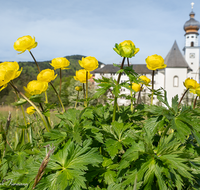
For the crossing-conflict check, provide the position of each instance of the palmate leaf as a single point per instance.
(182, 129)
(118, 137)
(152, 125)
(70, 163)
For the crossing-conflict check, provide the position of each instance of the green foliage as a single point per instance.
(149, 147)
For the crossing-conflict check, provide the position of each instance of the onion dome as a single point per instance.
(191, 26)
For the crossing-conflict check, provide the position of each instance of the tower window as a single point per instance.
(192, 63)
(175, 81)
(192, 36)
(192, 44)
(187, 36)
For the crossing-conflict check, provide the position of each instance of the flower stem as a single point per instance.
(76, 99)
(47, 119)
(139, 94)
(195, 101)
(86, 88)
(128, 61)
(182, 97)
(24, 118)
(165, 132)
(152, 87)
(85, 104)
(115, 99)
(30, 102)
(131, 101)
(60, 81)
(58, 96)
(35, 61)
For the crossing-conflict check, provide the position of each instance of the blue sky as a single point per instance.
(92, 27)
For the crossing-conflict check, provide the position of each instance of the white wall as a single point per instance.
(172, 90)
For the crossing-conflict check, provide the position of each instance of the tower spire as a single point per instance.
(192, 5)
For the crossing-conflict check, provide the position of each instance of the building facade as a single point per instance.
(179, 66)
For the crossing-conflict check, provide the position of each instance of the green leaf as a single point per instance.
(113, 146)
(36, 98)
(70, 163)
(175, 103)
(181, 128)
(152, 125)
(109, 176)
(21, 101)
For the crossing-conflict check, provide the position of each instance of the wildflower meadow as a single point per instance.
(106, 146)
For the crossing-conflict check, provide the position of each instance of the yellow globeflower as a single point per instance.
(190, 83)
(78, 88)
(81, 75)
(8, 72)
(198, 90)
(36, 87)
(60, 63)
(89, 63)
(30, 110)
(136, 87)
(155, 62)
(144, 80)
(46, 75)
(126, 49)
(25, 43)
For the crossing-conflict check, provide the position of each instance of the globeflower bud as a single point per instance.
(136, 87)
(30, 110)
(81, 75)
(190, 83)
(35, 87)
(89, 63)
(46, 75)
(144, 80)
(25, 43)
(126, 49)
(60, 63)
(78, 88)
(155, 62)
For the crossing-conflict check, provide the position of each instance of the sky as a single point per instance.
(92, 27)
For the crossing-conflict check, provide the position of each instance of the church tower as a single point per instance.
(191, 49)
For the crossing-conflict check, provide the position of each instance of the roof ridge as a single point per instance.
(175, 58)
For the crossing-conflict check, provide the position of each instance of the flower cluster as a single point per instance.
(78, 88)
(192, 85)
(155, 62)
(8, 72)
(89, 64)
(35, 87)
(81, 75)
(30, 110)
(25, 43)
(126, 49)
(60, 63)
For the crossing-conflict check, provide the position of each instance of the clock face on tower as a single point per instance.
(192, 55)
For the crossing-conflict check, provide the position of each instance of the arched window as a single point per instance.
(175, 81)
(192, 44)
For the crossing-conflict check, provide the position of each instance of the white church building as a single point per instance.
(179, 66)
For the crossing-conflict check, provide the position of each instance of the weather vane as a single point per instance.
(192, 4)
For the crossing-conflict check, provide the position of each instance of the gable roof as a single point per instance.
(175, 58)
(109, 68)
